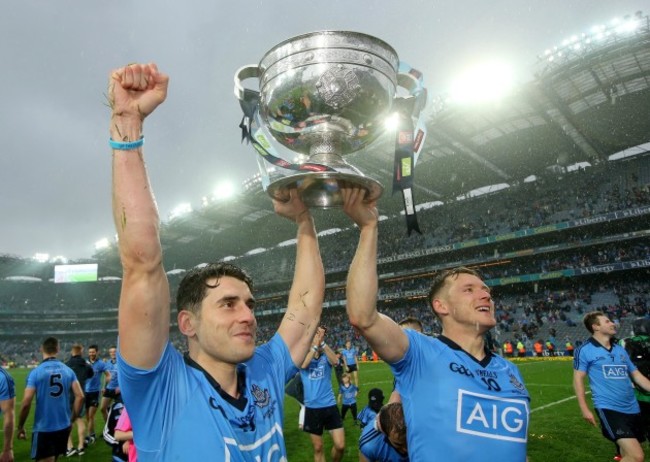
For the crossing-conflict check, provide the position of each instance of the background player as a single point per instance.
(610, 369)
(53, 384)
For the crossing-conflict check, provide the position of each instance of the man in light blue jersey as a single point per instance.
(610, 370)
(7, 400)
(111, 392)
(93, 388)
(384, 439)
(53, 384)
(224, 399)
(321, 412)
(461, 402)
(350, 354)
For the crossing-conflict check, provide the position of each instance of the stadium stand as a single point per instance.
(567, 234)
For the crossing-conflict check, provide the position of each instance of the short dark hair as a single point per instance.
(93, 346)
(440, 279)
(50, 346)
(391, 420)
(591, 318)
(194, 286)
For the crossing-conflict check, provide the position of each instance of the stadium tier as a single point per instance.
(564, 230)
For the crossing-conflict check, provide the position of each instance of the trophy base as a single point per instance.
(323, 190)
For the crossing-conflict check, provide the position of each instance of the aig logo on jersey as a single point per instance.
(615, 371)
(492, 417)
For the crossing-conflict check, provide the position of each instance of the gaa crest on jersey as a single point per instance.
(261, 396)
(517, 385)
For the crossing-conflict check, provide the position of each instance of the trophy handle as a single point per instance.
(251, 71)
(411, 80)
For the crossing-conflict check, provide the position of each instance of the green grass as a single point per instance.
(557, 431)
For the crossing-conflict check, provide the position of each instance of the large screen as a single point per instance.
(75, 273)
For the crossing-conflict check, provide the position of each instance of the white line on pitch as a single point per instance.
(556, 402)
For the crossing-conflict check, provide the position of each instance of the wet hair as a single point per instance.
(50, 346)
(591, 318)
(440, 279)
(194, 286)
(391, 420)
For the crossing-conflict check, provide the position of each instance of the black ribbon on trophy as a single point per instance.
(409, 139)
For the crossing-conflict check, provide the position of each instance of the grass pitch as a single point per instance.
(557, 431)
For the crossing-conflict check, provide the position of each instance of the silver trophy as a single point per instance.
(322, 96)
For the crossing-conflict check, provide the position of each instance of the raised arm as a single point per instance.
(307, 290)
(383, 334)
(134, 92)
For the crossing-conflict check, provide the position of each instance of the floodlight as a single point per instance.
(180, 210)
(102, 244)
(41, 257)
(489, 81)
(224, 190)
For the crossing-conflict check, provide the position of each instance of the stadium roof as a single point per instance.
(582, 108)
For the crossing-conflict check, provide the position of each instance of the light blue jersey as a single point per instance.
(609, 376)
(52, 381)
(180, 413)
(111, 366)
(350, 355)
(7, 386)
(457, 408)
(366, 416)
(374, 445)
(94, 383)
(317, 382)
(349, 394)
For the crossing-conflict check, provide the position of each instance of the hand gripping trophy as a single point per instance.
(324, 95)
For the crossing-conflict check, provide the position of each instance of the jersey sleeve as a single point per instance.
(581, 360)
(7, 387)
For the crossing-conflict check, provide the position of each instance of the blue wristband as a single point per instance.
(127, 145)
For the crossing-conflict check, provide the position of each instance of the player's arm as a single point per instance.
(339, 397)
(579, 388)
(318, 338)
(383, 334)
(331, 356)
(7, 408)
(308, 288)
(641, 380)
(78, 399)
(28, 396)
(143, 320)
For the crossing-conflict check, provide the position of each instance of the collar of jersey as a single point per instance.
(239, 403)
(454, 346)
(596, 343)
